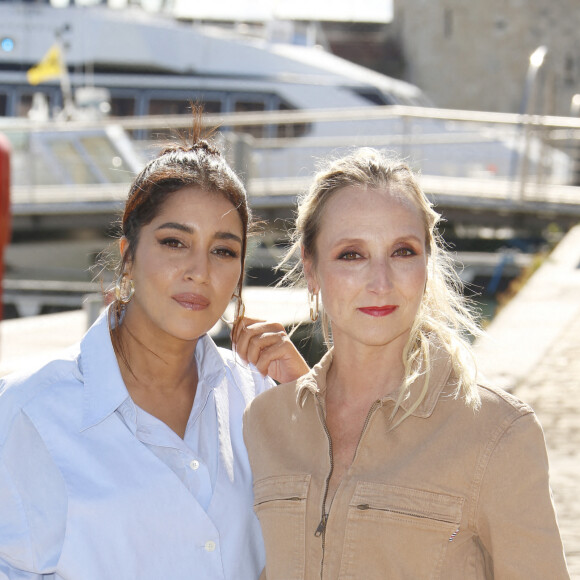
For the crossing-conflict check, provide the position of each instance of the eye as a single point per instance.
(405, 252)
(225, 253)
(172, 243)
(349, 255)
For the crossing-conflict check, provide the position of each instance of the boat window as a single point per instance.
(3, 105)
(122, 106)
(210, 106)
(107, 159)
(183, 106)
(376, 97)
(169, 107)
(25, 103)
(290, 129)
(250, 107)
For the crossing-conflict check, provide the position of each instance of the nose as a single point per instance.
(197, 268)
(380, 276)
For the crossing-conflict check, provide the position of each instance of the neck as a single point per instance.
(151, 363)
(364, 373)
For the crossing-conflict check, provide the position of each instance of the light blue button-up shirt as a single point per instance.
(93, 487)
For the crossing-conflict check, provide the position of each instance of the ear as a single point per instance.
(309, 271)
(123, 248)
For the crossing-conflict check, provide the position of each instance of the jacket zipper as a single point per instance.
(373, 408)
(295, 498)
(366, 506)
(321, 529)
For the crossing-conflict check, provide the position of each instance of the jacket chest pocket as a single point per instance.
(280, 504)
(398, 533)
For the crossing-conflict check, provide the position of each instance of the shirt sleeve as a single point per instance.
(32, 504)
(9, 573)
(516, 520)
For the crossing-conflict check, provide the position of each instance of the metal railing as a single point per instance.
(467, 154)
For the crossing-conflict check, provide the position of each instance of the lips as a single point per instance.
(191, 301)
(378, 311)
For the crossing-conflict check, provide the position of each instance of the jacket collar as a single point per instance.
(104, 389)
(314, 382)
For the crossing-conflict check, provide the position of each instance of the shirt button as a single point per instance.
(194, 464)
(209, 546)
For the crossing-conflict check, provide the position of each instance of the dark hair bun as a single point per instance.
(199, 145)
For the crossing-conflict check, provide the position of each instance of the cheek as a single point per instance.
(227, 279)
(413, 284)
(154, 271)
(337, 284)
(235, 278)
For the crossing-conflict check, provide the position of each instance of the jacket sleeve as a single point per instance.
(515, 516)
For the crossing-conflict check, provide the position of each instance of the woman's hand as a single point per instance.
(267, 346)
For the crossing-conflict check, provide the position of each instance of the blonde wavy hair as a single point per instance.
(445, 316)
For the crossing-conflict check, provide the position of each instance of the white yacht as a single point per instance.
(155, 64)
(135, 63)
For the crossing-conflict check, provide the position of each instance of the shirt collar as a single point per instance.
(210, 365)
(104, 389)
(315, 382)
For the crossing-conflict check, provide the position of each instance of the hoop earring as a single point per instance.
(124, 289)
(313, 304)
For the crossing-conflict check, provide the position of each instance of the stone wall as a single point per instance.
(475, 55)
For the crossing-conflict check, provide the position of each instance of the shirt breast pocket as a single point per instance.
(280, 504)
(398, 532)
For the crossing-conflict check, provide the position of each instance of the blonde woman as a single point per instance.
(389, 459)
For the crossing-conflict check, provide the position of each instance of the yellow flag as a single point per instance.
(50, 67)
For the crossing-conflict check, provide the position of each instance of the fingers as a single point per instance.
(267, 346)
(282, 362)
(254, 335)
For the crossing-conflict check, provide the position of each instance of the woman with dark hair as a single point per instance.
(124, 459)
(391, 458)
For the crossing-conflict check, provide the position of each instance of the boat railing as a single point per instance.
(523, 157)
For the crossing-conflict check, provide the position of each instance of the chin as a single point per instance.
(381, 340)
(185, 332)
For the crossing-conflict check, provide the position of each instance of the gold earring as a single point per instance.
(313, 304)
(124, 289)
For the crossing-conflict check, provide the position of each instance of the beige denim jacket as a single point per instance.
(451, 493)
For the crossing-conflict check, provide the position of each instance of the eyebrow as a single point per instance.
(189, 230)
(403, 238)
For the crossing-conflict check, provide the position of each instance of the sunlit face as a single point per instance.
(370, 266)
(186, 267)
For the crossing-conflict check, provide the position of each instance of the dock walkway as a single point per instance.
(532, 348)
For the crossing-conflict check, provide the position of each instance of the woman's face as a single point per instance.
(186, 266)
(370, 266)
